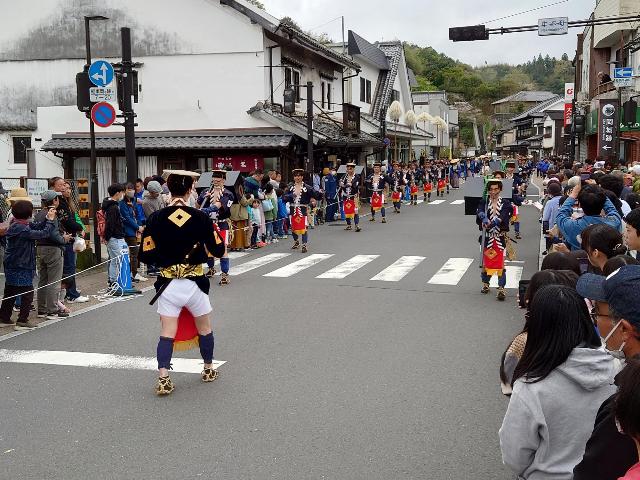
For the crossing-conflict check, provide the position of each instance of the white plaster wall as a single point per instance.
(370, 73)
(549, 142)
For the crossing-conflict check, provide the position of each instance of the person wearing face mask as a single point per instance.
(113, 229)
(179, 239)
(609, 454)
(132, 229)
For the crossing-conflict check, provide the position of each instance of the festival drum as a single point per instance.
(377, 200)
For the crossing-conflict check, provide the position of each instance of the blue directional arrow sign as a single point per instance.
(101, 73)
(625, 72)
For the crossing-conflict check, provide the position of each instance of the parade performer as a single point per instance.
(299, 196)
(493, 217)
(397, 183)
(443, 179)
(519, 191)
(427, 182)
(216, 202)
(179, 239)
(396, 198)
(378, 188)
(349, 193)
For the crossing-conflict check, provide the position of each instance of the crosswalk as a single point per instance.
(389, 270)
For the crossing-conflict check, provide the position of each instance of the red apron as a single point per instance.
(377, 200)
(298, 222)
(349, 207)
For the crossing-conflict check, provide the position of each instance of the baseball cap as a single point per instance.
(621, 290)
(154, 187)
(49, 195)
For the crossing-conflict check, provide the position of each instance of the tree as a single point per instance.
(256, 3)
(290, 22)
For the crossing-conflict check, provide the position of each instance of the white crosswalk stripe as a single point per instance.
(256, 263)
(297, 267)
(514, 274)
(457, 202)
(399, 269)
(451, 272)
(233, 255)
(348, 267)
(436, 202)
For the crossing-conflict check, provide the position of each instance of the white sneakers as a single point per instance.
(140, 278)
(80, 299)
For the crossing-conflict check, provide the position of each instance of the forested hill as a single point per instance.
(483, 85)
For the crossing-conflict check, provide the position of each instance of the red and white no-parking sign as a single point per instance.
(103, 114)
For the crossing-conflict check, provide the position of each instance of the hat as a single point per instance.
(218, 174)
(182, 173)
(598, 164)
(297, 171)
(19, 194)
(351, 164)
(154, 187)
(621, 290)
(49, 195)
(496, 181)
(635, 170)
(325, 171)
(511, 162)
(377, 164)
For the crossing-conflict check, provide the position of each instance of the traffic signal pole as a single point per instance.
(127, 107)
(310, 166)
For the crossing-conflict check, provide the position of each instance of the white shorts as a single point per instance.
(183, 293)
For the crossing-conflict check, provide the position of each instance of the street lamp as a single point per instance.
(93, 167)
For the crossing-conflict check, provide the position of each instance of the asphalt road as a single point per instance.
(325, 378)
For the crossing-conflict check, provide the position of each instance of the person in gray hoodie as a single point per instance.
(563, 377)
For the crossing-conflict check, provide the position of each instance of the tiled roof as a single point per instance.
(526, 96)
(308, 41)
(198, 140)
(537, 110)
(359, 46)
(325, 131)
(382, 97)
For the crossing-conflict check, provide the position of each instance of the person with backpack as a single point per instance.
(282, 215)
(132, 229)
(113, 229)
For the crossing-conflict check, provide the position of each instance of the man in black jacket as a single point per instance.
(114, 229)
(50, 260)
(608, 453)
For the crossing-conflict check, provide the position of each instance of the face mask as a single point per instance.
(617, 354)
(130, 194)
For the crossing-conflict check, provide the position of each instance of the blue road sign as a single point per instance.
(625, 72)
(103, 114)
(101, 73)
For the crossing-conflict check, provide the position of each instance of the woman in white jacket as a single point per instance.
(563, 377)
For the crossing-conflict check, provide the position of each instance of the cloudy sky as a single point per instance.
(427, 22)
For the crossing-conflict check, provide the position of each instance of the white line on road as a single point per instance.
(99, 360)
(348, 267)
(452, 271)
(296, 267)
(399, 269)
(514, 274)
(233, 255)
(457, 202)
(436, 202)
(257, 263)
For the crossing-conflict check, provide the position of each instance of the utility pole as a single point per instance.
(127, 106)
(573, 128)
(310, 166)
(93, 167)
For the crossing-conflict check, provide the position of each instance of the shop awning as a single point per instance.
(240, 139)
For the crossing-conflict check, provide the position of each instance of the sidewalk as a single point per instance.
(92, 283)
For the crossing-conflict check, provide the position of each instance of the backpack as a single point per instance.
(102, 224)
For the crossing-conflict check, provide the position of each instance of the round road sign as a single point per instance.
(103, 114)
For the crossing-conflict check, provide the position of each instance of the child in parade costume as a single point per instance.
(396, 198)
(427, 183)
(414, 192)
(216, 202)
(377, 186)
(493, 216)
(179, 239)
(299, 197)
(397, 181)
(349, 193)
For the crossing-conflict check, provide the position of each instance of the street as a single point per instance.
(348, 368)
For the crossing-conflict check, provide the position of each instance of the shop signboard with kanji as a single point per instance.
(242, 163)
(607, 127)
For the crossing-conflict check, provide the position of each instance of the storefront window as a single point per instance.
(81, 167)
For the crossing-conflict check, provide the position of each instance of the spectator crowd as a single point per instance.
(573, 372)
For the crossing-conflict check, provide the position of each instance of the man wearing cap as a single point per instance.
(349, 193)
(216, 202)
(493, 217)
(517, 194)
(299, 196)
(50, 254)
(378, 188)
(179, 239)
(616, 312)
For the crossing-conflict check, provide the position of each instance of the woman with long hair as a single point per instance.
(561, 380)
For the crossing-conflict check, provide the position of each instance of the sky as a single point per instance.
(427, 22)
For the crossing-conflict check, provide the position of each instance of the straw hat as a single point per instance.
(17, 194)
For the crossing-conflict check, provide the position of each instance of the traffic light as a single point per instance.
(630, 108)
(83, 84)
(578, 123)
(133, 79)
(468, 34)
(289, 100)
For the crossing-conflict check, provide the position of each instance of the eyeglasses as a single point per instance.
(595, 314)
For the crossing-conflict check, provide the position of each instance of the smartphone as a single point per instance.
(522, 290)
(584, 264)
(585, 176)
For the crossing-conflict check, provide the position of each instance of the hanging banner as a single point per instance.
(568, 92)
(568, 114)
(242, 163)
(607, 127)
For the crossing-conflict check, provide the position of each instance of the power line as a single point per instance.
(526, 11)
(327, 23)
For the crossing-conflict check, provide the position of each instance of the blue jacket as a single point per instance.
(139, 211)
(129, 221)
(251, 186)
(282, 208)
(21, 245)
(571, 229)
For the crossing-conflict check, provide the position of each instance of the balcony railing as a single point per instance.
(603, 88)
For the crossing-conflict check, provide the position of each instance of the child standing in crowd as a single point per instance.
(282, 214)
(270, 207)
(20, 260)
(254, 218)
